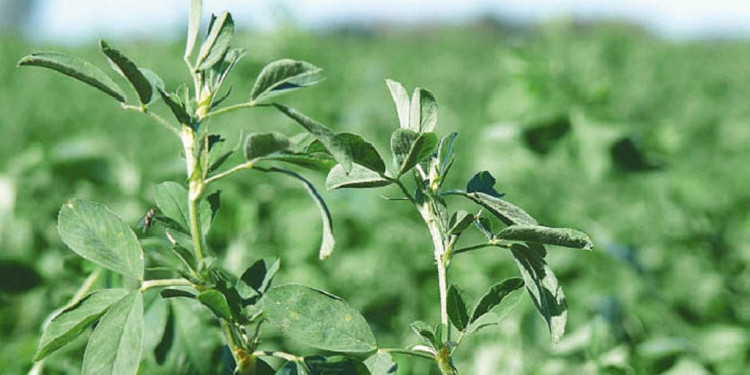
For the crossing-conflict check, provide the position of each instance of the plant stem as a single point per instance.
(236, 168)
(407, 352)
(195, 230)
(430, 218)
(230, 108)
(491, 243)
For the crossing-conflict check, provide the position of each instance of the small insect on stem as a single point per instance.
(147, 219)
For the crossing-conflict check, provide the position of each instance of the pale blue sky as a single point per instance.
(79, 21)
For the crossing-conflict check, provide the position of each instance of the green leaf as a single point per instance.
(498, 312)
(217, 41)
(328, 242)
(316, 162)
(73, 320)
(426, 332)
(283, 76)
(460, 220)
(506, 212)
(336, 365)
(445, 152)
(381, 363)
(115, 345)
(318, 319)
(483, 182)
(542, 285)
(332, 142)
(552, 236)
(485, 226)
(194, 24)
(401, 99)
(95, 233)
(457, 311)
(359, 177)
(260, 274)
(262, 144)
(177, 107)
(427, 110)
(292, 368)
(76, 68)
(217, 303)
(156, 81)
(363, 152)
(130, 71)
(422, 148)
(495, 296)
(174, 293)
(172, 200)
(401, 143)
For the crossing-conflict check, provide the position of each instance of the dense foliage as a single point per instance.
(640, 142)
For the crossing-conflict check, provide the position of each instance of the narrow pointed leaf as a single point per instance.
(95, 233)
(544, 289)
(76, 68)
(282, 76)
(73, 320)
(551, 236)
(115, 346)
(217, 42)
(328, 242)
(130, 71)
(457, 311)
(337, 146)
(421, 149)
(495, 296)
(262, 144)
(194, 24)
(506, 212)
(318, 319)
(401, 99)
(359, 177)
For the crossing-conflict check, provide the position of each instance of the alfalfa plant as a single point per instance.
(421, 162)
(241, 304)
(112, 299)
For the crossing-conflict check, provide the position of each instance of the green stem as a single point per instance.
(407, 352)
(430, 218)
(154, 116)
(230, 108)
(195, 230)
(480, 246)
(235, 169)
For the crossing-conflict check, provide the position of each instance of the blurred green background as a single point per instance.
(641, 142)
